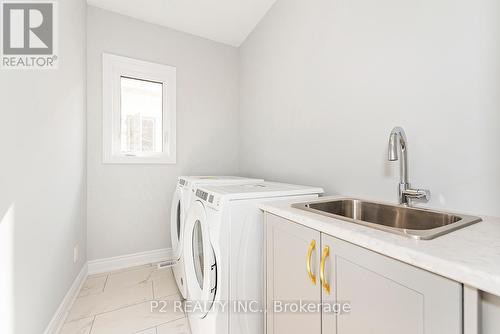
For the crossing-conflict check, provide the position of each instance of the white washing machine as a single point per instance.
(223, 253)
(180, 204)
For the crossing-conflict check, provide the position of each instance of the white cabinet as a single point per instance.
(287, 277)
(385, 296)
(489, 313)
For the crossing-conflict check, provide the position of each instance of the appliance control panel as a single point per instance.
(209, 198)
(202, 194)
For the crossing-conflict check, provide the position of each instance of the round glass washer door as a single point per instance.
(201, 266)
(177, 222)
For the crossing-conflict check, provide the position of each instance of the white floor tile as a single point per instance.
(180, 326)
(121, 270)
(148, 331)
(93, 285)
(110, 300)
(164, 283)
(120, 302)
(128, 278)
(98, 275)
(131, 268)
(82, 326)
(133, 319)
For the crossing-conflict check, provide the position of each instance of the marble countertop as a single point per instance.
(470, 255)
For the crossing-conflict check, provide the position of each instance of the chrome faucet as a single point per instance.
(405, 192)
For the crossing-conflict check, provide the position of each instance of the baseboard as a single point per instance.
(125, 261)
(58, 320)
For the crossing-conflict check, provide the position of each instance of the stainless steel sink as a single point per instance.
(412, 222)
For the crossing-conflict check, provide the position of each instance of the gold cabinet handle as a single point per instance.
(312, 246)
(326, 253)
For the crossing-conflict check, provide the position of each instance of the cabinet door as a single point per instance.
(287, 279)
(387, 296)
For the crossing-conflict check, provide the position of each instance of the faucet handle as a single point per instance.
(422, 194)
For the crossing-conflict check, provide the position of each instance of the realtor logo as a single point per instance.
(28, 35)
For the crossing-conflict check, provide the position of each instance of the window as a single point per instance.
(141, 116)
(139, 110)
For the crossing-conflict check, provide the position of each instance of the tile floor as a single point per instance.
(119, 302)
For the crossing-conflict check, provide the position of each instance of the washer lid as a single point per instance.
(256, 190)
(193, 181)
(200, 262)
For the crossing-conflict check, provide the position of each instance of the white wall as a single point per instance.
(129, 206)
(42, 178)
(323, 82)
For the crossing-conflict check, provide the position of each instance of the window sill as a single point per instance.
(138, 160)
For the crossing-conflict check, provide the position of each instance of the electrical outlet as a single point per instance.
(75, 253)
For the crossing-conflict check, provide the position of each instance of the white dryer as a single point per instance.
(182, 198)
(223, 253)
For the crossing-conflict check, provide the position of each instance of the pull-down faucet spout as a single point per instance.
(398, 136)
(397, 140)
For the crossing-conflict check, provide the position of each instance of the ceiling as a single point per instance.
(225, 21)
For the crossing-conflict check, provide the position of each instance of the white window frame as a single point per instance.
(116, 67)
